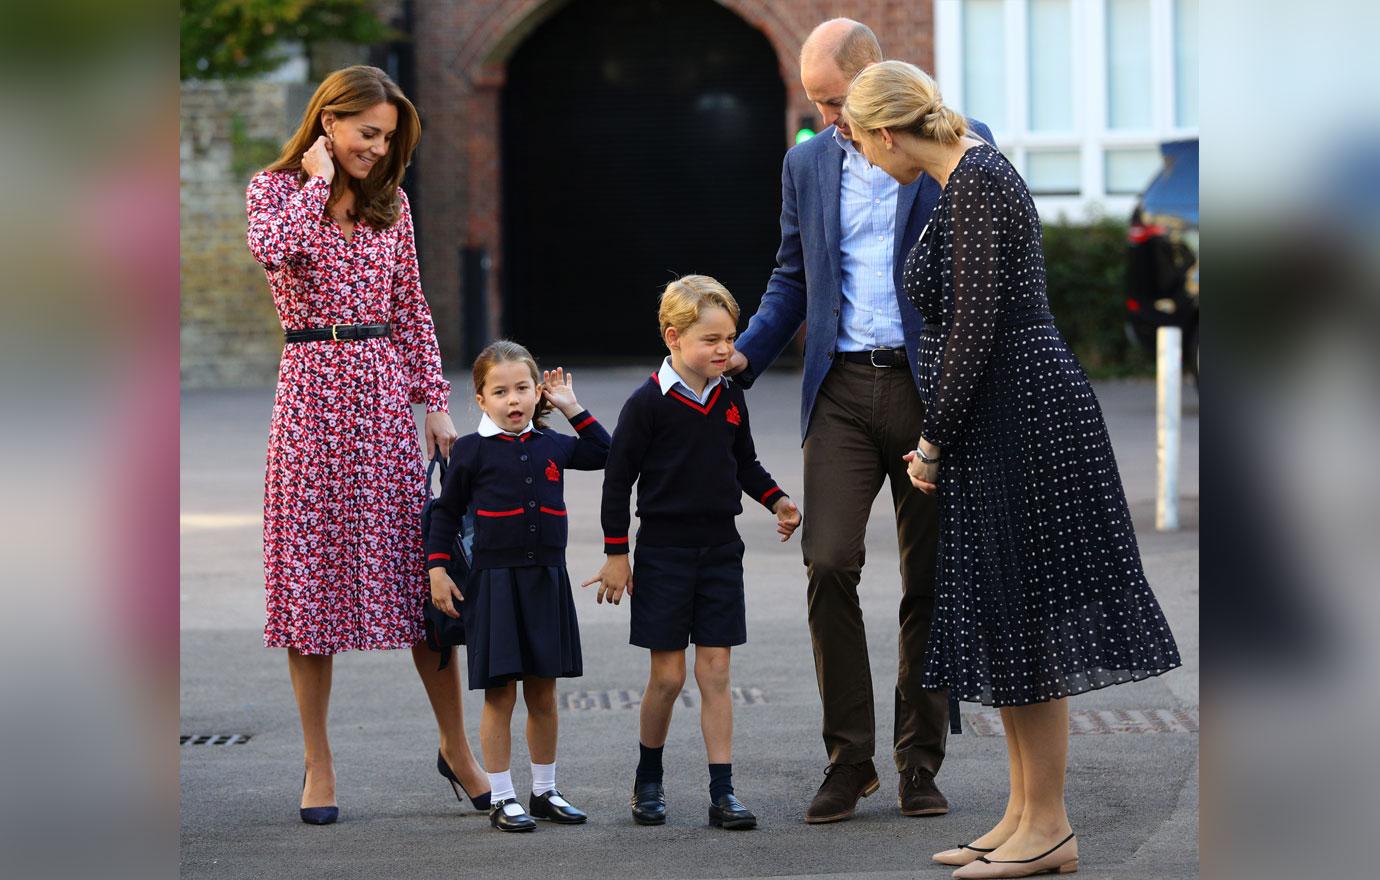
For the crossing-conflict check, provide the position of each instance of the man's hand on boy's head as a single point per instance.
(787, 517)
(613, 579)
(558, 386)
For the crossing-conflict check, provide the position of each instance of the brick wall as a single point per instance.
(230, 333)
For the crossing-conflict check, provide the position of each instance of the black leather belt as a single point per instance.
(339, 333)
(877, 357)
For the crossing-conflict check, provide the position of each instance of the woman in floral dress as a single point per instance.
(345, 483)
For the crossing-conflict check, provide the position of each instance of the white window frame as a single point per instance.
(1090, 135)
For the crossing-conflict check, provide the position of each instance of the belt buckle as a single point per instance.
(872, 357)
(334, 337)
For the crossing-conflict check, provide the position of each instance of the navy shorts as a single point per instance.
(688, 594)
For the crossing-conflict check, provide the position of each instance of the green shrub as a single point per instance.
(1086, 269)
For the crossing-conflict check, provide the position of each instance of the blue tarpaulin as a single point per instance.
(1174, 190)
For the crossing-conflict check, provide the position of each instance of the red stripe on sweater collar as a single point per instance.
(713, 399)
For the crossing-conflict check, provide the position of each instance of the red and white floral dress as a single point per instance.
(344, 486)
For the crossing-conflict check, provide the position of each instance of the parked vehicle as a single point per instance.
(1162, 254)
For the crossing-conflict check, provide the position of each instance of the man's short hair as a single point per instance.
(857, 49)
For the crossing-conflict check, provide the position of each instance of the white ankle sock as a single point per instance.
(543, 778)
(502, 785)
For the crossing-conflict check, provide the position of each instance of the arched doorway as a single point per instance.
(642, 139)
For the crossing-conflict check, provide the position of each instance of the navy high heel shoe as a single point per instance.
(481, 803)
(317, 815)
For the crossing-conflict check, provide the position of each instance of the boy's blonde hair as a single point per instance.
(682, 300)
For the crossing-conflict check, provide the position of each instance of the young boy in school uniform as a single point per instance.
(683, 438)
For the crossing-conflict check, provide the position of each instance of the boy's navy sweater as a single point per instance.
(691, 463)
(516, 488)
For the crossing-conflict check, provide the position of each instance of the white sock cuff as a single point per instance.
(502, 785)
(543, 778)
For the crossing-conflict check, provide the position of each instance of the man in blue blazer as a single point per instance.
(846, 229)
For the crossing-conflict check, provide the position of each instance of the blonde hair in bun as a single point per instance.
(901, 97)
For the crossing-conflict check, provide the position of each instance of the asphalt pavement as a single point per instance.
(1133, 767)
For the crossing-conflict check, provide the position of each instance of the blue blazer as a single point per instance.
(807, 283)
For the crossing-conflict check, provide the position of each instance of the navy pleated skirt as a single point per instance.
(520, 622)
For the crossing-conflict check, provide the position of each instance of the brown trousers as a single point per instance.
(864, 420)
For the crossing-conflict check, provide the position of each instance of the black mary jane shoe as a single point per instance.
(729, 812)
(317, 815)
(541, 807)
(649, 804)
(481, 803)
(503, 822)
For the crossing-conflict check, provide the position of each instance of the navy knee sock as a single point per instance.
(720, 780)
(648, 765)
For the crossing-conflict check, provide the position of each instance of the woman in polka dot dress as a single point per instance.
(1040, 591)
(344, 484)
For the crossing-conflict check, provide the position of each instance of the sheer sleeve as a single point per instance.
(413, 330)
(978, 216)
(284, 220)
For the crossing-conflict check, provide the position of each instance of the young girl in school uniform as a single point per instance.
(519, 612)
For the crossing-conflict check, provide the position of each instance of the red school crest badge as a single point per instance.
(734, 417)
(553, 473)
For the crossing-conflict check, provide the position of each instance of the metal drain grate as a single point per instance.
(214, 739)
(617, 700)
(1101, 721)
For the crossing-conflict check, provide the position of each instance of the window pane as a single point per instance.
(1186, 63)
(1129, 170)
(1128, 64)
(1051, 72)
(1053, 172)
(984, 65)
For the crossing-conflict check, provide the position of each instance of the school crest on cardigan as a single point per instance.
(553, 473)
(734, 417)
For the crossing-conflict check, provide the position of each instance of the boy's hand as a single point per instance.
(613, 579)
(558, 386)
(442, 590)
(787, 517)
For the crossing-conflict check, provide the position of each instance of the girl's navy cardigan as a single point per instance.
(516, 489)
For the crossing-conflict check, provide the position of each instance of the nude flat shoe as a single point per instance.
(960, 855)
(1061, 859)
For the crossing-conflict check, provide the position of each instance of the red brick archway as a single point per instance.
(462, 51)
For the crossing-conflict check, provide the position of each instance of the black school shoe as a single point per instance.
(540, 806)
(649, 804)
(503, 822)
(729, 812)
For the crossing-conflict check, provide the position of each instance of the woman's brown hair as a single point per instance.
(505, 351)
(346, 92)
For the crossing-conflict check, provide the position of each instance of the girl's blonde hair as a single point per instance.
(682, 300)
(901, 97)
(346, 92)
(505, 351)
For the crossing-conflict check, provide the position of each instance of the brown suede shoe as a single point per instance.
(919, 796)
(838, 795)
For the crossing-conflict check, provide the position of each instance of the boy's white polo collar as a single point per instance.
(668, 378)
(489, 428)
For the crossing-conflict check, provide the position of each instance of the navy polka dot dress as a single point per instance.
(1040, 590)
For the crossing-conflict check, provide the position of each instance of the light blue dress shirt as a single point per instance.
(668, 378)
(869, 316)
